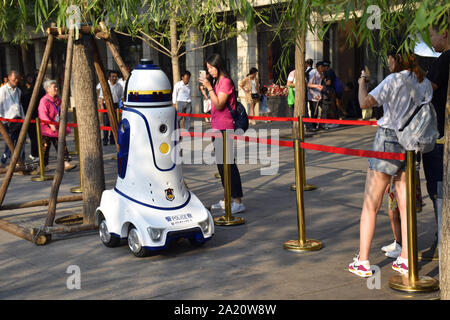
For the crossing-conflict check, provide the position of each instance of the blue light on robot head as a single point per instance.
(147, 65)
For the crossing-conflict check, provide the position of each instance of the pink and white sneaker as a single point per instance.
(400, 265)
(360, 268)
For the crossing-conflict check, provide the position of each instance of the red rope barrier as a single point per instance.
(346, 122)
(281, 143)
(354, 152)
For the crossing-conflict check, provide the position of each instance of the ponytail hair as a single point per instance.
(407, 62)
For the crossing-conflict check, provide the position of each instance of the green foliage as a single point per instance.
(401, 21)
(147, 19)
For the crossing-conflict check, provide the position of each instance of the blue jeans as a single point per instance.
(13, 132)
(386, 141)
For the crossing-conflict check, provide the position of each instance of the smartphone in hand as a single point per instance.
(202, 75)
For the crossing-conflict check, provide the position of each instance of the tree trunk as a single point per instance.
(300, 85)
(91, 152)
(445, 221)
(25, 62)
(173, 50)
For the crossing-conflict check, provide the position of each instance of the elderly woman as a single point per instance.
(250, 84)
(49, 110)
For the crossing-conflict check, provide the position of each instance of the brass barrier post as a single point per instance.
(412, 282)
(227, 219)
(75, 152)
(77, 145)
(42, 176)
(306, 186)
(302, 244)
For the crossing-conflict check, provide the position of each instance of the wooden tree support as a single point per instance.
(23, 233)
(42, 235)
(43, 202)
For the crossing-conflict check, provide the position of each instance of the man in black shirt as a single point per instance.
(433, 161)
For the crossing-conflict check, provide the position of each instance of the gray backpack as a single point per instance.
(419, 133)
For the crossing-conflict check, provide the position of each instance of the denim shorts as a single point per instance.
(386, 141)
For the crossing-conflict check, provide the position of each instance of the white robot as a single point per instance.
(150, 204)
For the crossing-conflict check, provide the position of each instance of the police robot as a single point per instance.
(150, 205)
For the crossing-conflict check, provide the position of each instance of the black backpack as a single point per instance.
(240, 117)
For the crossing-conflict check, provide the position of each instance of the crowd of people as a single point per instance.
(15, 96)
(326, 96)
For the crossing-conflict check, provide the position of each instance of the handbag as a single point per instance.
(419, 133)
(291, 97)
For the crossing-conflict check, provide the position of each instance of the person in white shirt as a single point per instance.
(399, 93)
(117, 95)
(11, 108)
(181, 98)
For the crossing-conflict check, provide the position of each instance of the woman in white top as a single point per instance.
(399, 93)
(250, 84)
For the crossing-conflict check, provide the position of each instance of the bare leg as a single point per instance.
(376, 183)
(400, 190)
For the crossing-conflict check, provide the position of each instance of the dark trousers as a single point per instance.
(311, 112)
(47, 143)
(433, 167)
(106, 123)
(236, 185)
(33, 138)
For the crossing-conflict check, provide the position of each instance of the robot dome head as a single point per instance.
(148, 86)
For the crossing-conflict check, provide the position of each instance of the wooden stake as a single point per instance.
(24, 129)
(115, 53)
(21, 232)
(61, 135)
(106, 93)
(38, 203)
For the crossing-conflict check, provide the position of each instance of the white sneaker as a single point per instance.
(389, 247)
(218, 205)
(394, 253)
(237, 207)
(33, 159)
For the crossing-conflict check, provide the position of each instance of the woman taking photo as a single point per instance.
(49, 110)
(399, 93)
(250, 84)
(222, 93)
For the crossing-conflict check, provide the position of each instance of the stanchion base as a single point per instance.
(307, 187)
(42, 178)
(423, 284)
(222, 221)
(309, 245)
(76, 190)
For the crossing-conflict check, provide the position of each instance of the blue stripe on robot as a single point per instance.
(145, 98)
(151, 141)
(154, 207)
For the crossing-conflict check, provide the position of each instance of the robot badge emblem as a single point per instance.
(169, 194)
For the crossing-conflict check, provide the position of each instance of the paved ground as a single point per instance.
(241, 262)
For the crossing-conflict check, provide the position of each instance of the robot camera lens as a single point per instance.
(163, 128)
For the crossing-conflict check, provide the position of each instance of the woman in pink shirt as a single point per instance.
(49, 110)
(222, 92)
